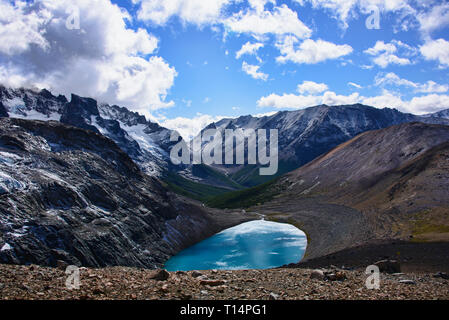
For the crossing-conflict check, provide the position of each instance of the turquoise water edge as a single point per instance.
(253, 245)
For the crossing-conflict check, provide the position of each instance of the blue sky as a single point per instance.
(176, 61)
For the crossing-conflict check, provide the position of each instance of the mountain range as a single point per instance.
(92, 184)
(306, 134)
(303, 135)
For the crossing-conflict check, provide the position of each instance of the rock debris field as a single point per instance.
(118, 283)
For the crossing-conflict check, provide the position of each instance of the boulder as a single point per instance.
(196, 274)
(389, 266)
(441, 275)
(212, 283)
(160, 275)
(273, 296)
(317, 274)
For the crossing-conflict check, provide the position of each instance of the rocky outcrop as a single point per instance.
(147, 143)
(72, 195)
(3, 111)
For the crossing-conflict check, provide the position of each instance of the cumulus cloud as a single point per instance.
(312, 87)
(292, 101)
(435, 19)
(20, 30)
(385, 53)
(417, 105)
(189, 128)
(198, 12)
(281, 20)
(310, 51)
(104, 59)
(249, 48)
(254, 72)
(387, 99)
(393, 79)
(437, 50)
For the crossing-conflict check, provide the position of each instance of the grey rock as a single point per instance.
(389, 266)
(61, 265)
(196, 274)
(161, 275)
(441, 275)
(273, 296)
(317, 274)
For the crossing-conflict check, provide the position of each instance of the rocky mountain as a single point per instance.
(147, 143)
(73, 195)
(441, 114)
(385, 184)
(306, 134)
(303, 135)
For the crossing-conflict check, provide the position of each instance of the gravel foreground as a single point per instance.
(118, 283)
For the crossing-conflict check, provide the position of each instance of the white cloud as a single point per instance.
(431, 86)
(259, 5)
(341, 9)
(417, 105)
(104, 59)
(288, 101)
(282, 20)
(310, 51)
(312, 87)
(292, 101)
(437, 50)
(189, 128)
(20, 30)
(198, 12)
(381, 47)
(249, 48)
(384, 60)
(428, 104)
(253, 71)
(355, 85)
(344, 10)
(435, 19)
(393, 79)
(385, 53)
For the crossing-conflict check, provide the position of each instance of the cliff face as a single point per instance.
(71, 194)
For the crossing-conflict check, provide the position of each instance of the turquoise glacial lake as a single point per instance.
(253, 245)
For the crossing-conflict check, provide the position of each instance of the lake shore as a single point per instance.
(39, 283)
(418, 257)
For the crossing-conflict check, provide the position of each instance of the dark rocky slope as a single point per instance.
(71, 194)
(147, 143)
(385, 184)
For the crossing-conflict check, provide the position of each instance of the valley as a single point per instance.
(92, 185)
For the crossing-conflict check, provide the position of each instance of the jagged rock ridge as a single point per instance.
(71, 194)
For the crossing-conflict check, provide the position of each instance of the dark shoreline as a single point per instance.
(417, 257)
